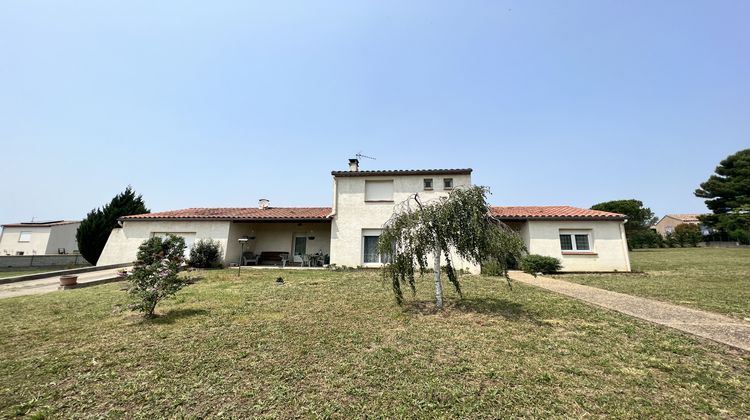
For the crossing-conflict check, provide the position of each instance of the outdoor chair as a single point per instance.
(250, 258)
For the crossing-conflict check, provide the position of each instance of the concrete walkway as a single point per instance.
(51, 284)
(720, 328)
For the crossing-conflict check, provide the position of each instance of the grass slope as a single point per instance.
(713, 279)
(334, 345)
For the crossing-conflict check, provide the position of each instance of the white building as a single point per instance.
(347, 232)
(39, 238)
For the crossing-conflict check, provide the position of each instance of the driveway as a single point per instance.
(51, 284)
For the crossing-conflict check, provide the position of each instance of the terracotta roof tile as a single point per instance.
(553, 212)
(238, 213)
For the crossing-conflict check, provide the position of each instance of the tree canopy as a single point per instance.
(94, 230)
(727, 194)
(459, 224)
(639, 217)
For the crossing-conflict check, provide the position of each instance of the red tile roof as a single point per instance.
(239, 213)
(552, 212)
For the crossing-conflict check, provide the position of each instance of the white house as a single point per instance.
(39, 238)
(347, 232)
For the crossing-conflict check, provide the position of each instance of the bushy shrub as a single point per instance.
(688, 234)
(206, 253)
(645, 238)
(533, 264)
(155, 275)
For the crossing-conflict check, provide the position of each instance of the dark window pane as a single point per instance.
(371, 249)
(448, 182)
(566, 243)
(582, 242)
(428, 183)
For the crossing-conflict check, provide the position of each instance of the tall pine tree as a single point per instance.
(94, 231)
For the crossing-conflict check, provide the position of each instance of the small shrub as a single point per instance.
(533, 264)
(206, 253)
(644, 238)
(155, 275)
(492, 268)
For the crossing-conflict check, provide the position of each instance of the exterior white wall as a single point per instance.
(608, 244)
(277, 237)
(63, 236)
(353, 214)
(122, 245)
(9, 244)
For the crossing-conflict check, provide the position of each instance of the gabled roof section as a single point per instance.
(552, 213)
(48, 223)
(239, 213)
(687, 218)
(402, 172)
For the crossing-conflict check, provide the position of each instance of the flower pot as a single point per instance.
(68, 280)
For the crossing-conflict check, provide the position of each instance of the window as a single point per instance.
(669, 229)
(428, 184)
(24, 236)
(370, 240)
(448, 183)
(19, 253)
(575, 241)
(379, 191)
(371, 249)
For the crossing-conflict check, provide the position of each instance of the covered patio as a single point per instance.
(303, 240)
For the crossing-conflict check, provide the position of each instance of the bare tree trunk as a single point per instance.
(438, 284)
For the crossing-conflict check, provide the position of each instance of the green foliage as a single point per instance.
(95, 228)
(534, 264)
(460, 223)
(688, 234)
(645, 238)
(639, 217)
(206, 253)
(727, 194)
(155, 275)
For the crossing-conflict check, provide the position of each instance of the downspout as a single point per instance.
(625, 245)
(335, 199)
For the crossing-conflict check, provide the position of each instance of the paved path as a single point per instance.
(51, 284)
(726, 330)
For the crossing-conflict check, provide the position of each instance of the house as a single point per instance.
(668, 223)
(348, 231)
(39, 238)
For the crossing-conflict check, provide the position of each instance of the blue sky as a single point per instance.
(219, 103)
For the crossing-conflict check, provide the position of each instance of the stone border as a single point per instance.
(46, 274)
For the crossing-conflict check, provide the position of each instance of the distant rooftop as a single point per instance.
(44, 223)
(686, 217)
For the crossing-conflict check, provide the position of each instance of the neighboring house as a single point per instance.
(668, 223)
(584, 240)
(39, 238)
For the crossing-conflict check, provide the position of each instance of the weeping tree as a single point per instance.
(460, 224)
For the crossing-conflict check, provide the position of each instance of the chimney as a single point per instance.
(263, 203)
(353, 165)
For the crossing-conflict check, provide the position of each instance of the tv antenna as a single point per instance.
(360, 156)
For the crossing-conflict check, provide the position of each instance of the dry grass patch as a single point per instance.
(334, 345)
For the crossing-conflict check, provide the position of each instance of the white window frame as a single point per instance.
(23, 233)
(369, 233)
(572, 234)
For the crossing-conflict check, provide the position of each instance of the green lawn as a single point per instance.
(713, 279)
(333, 344)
